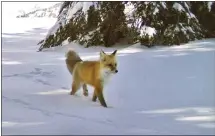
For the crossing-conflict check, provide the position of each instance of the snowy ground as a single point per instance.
(157, 91)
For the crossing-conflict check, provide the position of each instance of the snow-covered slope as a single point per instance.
(12, 9)
(51, 11)
(157, 91)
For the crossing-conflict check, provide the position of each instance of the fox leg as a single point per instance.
(85, 91)
(76, 84)
(75, 87)
(94, 96)
(99, 93)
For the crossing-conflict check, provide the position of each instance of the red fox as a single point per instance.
(94, 73)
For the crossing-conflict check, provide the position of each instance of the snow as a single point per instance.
(147, 30)
(60, 21)
(190, 29)
(51, 11)
(155, 11)
(184, 29)
(77, 6)
(45, 12)
(178, 7)
(12, 8)
(86, 6)
(129, 8)
(209, 5)
(138, 23)
(54, 28)
(163, 4)
(190, 14)
(67, 14)
(156, 91)
(21, 26)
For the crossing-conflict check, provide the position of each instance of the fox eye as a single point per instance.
(110, 65)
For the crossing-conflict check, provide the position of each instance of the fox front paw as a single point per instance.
(71, 93)
(104, 105)
(85, 93)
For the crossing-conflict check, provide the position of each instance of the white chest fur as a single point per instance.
(105, 76)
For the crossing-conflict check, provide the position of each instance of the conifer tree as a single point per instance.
(105, 23)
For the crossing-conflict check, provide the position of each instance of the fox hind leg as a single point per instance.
(94, 96)
(85, 90)
(75, 87)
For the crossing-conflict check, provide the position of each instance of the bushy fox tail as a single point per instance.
(71, 59)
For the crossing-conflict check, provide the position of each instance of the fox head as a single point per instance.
(108, 61)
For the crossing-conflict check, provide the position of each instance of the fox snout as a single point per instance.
(114, 71)
(113, 68)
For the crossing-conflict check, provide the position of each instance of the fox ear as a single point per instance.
(102, 54)
(114, 53)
